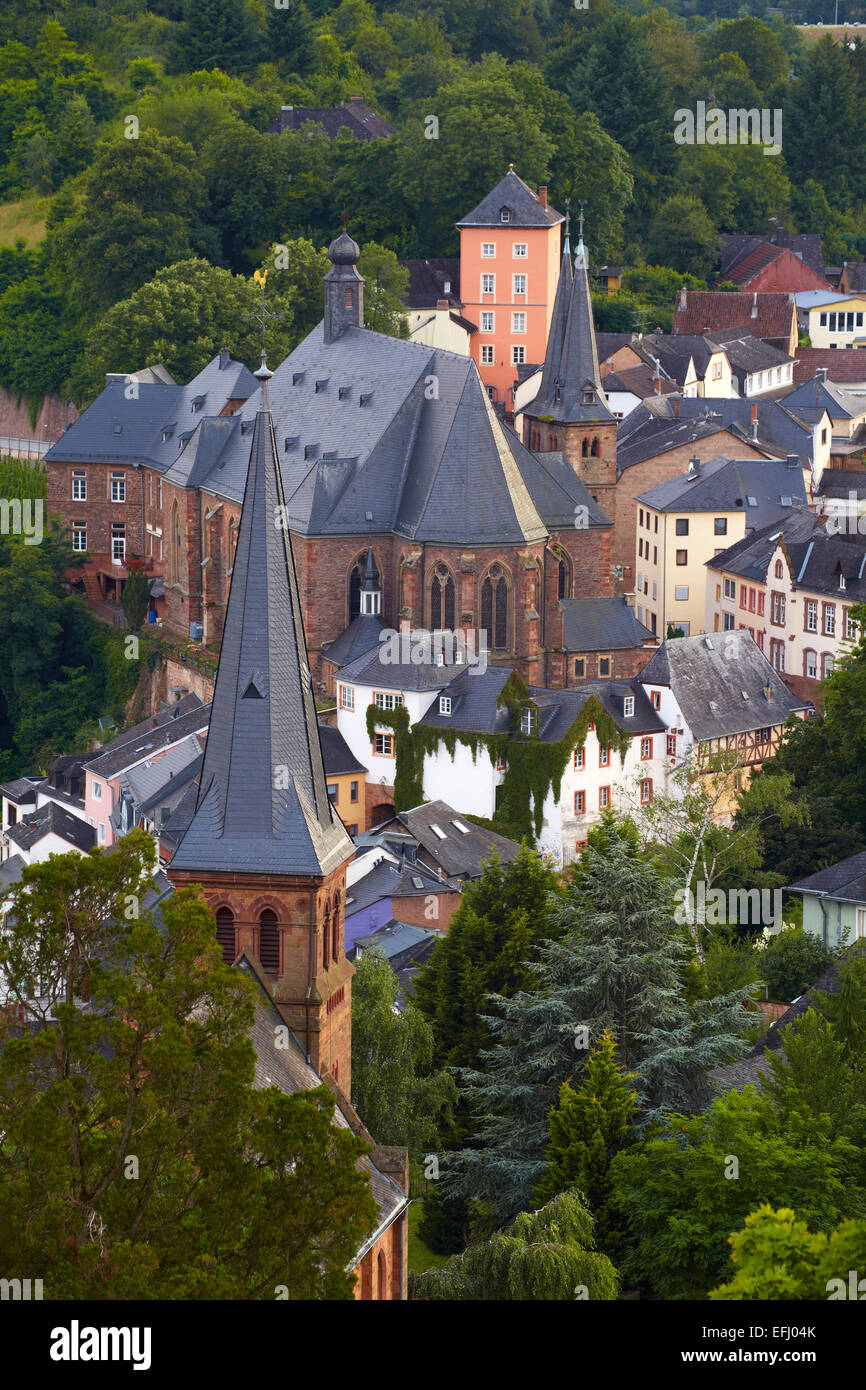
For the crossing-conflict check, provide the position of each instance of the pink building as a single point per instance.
(509, 266)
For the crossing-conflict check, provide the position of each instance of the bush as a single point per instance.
(792, 961)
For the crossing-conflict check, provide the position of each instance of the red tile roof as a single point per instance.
(707, 310)
(843, 364)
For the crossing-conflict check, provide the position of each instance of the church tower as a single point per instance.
(265, 843)
(570, 412)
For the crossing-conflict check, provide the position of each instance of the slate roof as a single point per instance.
(821, 395)
(149, 780)
(288, 1070)
(427, 280)
(10, 871)
(399, 942)
(361, 636)
(737, 247)
(336, 753)
(355, 115)
(845, 880)
(370, 669)
(838, 482)
(763, 489)
(651, 428)
(474, 707)
(571, 359)
(263, 716)
(117, 429)
(640, 381)
(708, 674)
(511, 192)
(750, 556)
(388, 880)
(748, 354)
(180, 820)
(600, 625)
(460, 854)
(53, 819)
(22, 790)
(125, 752)
(855, 274)
(707, 310)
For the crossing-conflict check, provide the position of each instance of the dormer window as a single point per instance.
(505, 214)
(529, 722)
(841, 581)
(444, 704)
(628, 707)
(290, 443)
(587, 396)
(166, 435)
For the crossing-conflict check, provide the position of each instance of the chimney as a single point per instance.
(442, 304)
(753, 413)
(683, 293)
(225, 358)
(677, 408)
(755, 305)
(542, 195)
(694, 467)
(792, 461)
(820, 373)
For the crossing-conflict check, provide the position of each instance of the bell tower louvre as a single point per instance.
(265, 843)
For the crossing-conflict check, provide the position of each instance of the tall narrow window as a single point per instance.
(494, 609)
(269, 941)
(326, 940)
(335, 940)
(225, 933)
(442, 599)
(564, 579)
(356, 579)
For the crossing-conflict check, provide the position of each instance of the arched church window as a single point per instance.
(584, 448)
(442, 599)
(494, 608)
(356, 579)
(269, 941)
(225, 933)
(326, 939)
(564, 578)
(594, 449)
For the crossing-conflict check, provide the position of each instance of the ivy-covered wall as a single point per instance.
(532, 767)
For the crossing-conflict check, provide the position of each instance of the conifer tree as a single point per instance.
(619, 966)
(590, 1124)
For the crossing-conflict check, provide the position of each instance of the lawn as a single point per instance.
(420, 1257)
(24, 219)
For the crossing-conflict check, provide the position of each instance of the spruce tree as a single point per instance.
(590, 1125)
(619, 966)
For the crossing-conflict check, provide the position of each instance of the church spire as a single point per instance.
(263, 803)
(571, 389)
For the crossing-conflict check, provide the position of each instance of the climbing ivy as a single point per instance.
(532, 767)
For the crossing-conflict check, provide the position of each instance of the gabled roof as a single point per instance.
(361, 636)
(841, 364)
(738, 247)
(524, 205)
(336, 753)
(150, 780)
(823, 395)
(462, 852)
(844, 880)
(570, 388)
(138, 744)
(600, 625)
(263, 803)
(427, 281)
(707, 310)
(355, 115)
(652, 428)
(709, 674)
(855, 275)
(750, 556)
(474, 707)
(52, 819)
(762, 489)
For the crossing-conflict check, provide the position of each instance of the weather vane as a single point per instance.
(567, 215)
(263, 315)
(580, 232)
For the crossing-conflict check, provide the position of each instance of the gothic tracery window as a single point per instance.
(494, 608)
(269, 941)
(442, 599)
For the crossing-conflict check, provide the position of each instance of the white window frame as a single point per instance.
(518, 354)
(521, 250)
(79, 486)
(117, 487)
(488, 321)
(516, 280)
(347, 697)
(79, 533)
(385, 699)
(487, 354)
(518, 322)
(488, 250)
(488, 278)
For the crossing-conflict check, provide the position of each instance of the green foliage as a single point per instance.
(682, 235)
(135, 599)
(489, 949)
(589, 1125)
(680, 1195)
(444, 1225)
(215, 34)
(543, 1255)
(792, 960)
(775, 1256)
(400, 1099)
(161, 1068)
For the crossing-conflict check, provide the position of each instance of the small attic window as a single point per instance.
(440, 833)
(290, 443)
(252, 692)
(418, 881)
(752, 501)
(297, 378)
(310, 451)
(343, 392)
(366, 397)
(197, 403)
(587, 396)
(505, 214)
(464, 829)
(787, 501)
(166, 435)
(529, 722)
(246, 426)
(321, 384)
(841, 581)
(628, 707)
(184, 438)
(118, 429)
(444, 704)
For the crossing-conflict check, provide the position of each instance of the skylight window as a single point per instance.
(418, 882)
(464, 829)
(440, 833)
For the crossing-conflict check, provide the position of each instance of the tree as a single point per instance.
(393, 1089)
(546, 1254)
(682, 1193)
(141, 200)
(757, 46)
(823, 124)
(682, 235)
(775, 1256)
(618, 965)
(792, 960)
(135, 598)
(290, 36)
(589, 1125)
(138, 1159)
(182, 318)
(385, 282)
(492, 938)
(726, 79)
(598, 169)
(215, 34)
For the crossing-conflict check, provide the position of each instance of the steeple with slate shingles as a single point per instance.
(263, 803)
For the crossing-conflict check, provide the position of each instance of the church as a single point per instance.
(382, 444)
(269, 851)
